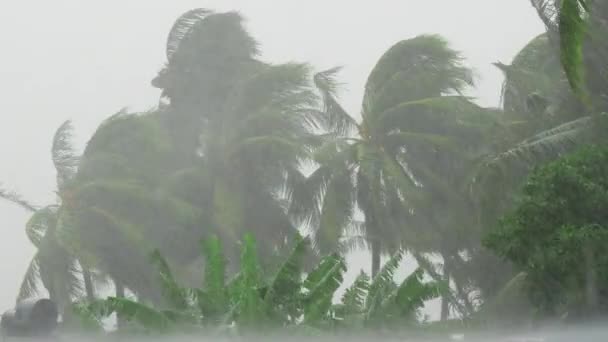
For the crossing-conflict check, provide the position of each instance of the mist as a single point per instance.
(336, 155)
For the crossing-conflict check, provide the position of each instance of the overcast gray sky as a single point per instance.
(84, 60)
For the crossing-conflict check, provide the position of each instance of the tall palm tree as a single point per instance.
(53, 265)
(213, 158)
(574, 115)
(248, 122)
(563, 68)
(412, 97)
(575, 28)
(117, 212)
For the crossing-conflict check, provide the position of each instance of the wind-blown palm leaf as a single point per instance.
(40, 223)
(548, 13)
(572, 29)
(14, 197)
(550, 143)
(31, 280)
(455, 113)
(412, 69)
(286, 86)
(63, 154)
(336, 119)
(182, 27)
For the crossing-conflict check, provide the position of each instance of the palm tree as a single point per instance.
(574, 28)
(248, 123)
(214, 159)
(573, 116)
(117, 212)
(563, 68)
(406, 114)
(52, 265)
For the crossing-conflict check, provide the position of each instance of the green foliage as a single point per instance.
(290, 299)
(572, 29)
(225, 154)
(556, 232)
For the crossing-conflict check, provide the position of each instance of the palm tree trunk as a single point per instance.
(445, 308)
(88, 284)
(375, 250)
(120, 293)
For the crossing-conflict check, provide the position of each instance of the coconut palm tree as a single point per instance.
(248, 125)
(53, 265)
(413, 100)
(571, 116)
(213, 159)
(574, 28)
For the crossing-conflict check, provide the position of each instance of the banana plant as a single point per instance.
(287, 299)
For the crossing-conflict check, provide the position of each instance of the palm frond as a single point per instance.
(412, 69)
(14, 197)
(64, 154)
(549, 144)
(455, 114)
(40, 223)
(548, 13)
(31, 280)
(353, 244)
(336, 118)
(283, 86)
(183, 27)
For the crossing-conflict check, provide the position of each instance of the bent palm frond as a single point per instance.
(336, 118)
(63, 154)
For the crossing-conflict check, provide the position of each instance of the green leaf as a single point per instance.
(412, 293)
(354, 297)
(382, 285)
(572, 29)
(42, 221)
(320, 286)
(285, 285)
(335, 118)
(173, 293)
(215, 276)
(250, 307)
(144, 315)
